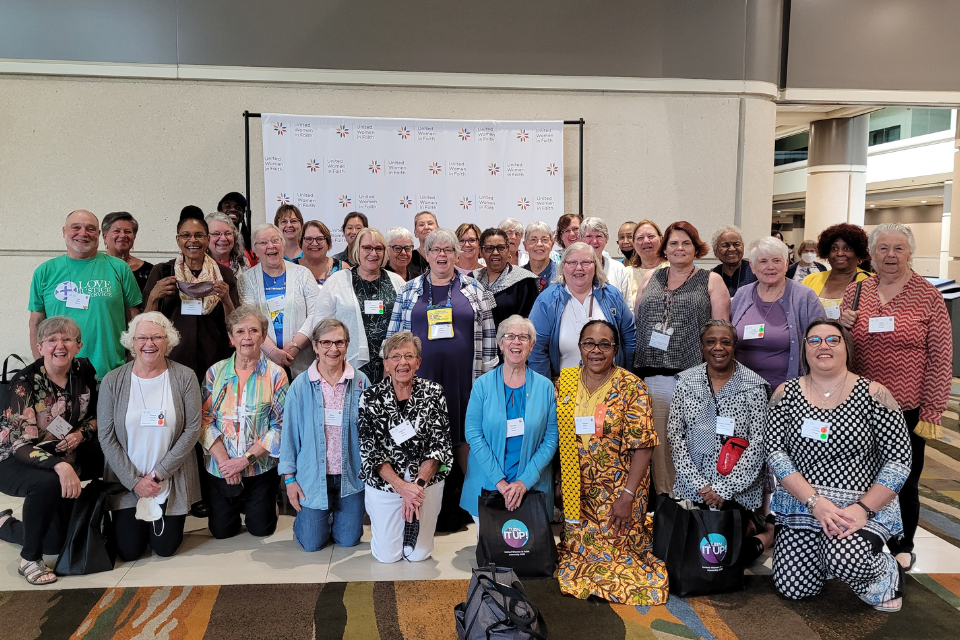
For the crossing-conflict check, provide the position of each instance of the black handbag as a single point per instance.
(521, 539)
(701, 548)
(88, 548)
(497, 608)
(6, 377)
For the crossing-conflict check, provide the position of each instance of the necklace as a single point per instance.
(826, 394)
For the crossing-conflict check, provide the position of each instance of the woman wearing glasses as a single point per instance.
(606, 438)
(513, 288)
(538, 241)
(242, 419)
(452, 315)
(226, 245)
(511, 425)
(320, 451)
(315, 243)
(839, 446)
(289, 221)
(580, 294)
(400, 253)
(568, 232)
(468, 235)
(197, 295)
(285, 293)
(363, 299)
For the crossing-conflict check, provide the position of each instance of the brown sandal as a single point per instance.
(35, 571)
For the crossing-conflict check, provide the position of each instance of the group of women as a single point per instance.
(617, 384)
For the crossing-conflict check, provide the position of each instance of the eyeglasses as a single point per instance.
(590, 345)
(314, 239)
(583, 264)
(522, 337)
(326, 344)
(273, 241)
(546, 241)
(593, 236)
(366, 248)
(499, 248)
(444, 250)
(196, 236)
(468, 242)
(221, 234)
(401, 248)
(396, 358)
(64, 341)
(832, 341)
(145, 339)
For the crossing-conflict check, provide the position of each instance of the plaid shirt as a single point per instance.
(258, 420)
(484, 330)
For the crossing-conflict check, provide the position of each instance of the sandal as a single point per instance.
(913, 558)
(35, 571)
(5, 515)
(887, 608)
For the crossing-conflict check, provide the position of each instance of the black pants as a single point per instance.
(257, 501)
(132, 536)
(910, 493)
(45, 513)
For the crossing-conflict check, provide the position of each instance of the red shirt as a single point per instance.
(914, 361)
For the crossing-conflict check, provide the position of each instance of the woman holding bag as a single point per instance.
(511, 425)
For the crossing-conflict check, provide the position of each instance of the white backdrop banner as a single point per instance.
(479, 171)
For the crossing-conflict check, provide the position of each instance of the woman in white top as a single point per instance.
(362, 299)
(148, 419)
(285, 293)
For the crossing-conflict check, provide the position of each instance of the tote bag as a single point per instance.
(497, 608)
(700, 548)
(520, 539)
(87, 549)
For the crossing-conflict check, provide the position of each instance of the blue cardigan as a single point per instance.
(486, 433)
(546, 313)
(303, 448)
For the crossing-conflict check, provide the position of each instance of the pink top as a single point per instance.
(333, 396)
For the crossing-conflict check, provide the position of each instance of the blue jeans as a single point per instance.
(343, 517)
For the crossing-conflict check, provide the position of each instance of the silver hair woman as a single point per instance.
(226, 243)
(514, 230)
(727, 244)
(538, 242)
(594, 232)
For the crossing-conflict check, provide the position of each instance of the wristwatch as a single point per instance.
(870, 512)
(250, 457)
(421, 482)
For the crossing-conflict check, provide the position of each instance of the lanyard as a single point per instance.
(448, 303)
(716, 405)
(163, 394)
(670, 294)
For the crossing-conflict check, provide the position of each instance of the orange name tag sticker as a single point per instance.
(598, 415)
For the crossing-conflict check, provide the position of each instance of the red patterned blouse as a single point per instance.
(914, 360)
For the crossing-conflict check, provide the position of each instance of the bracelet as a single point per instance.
(870, 512)
(812, 501)
(290, 480)
(630, 492)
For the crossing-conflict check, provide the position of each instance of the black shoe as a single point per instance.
(200, 510)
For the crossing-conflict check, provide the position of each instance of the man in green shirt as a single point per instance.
(96, 290)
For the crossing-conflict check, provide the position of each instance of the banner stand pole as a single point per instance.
(246, 146)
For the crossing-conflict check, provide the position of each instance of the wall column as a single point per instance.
(953, 266)
(836, 173)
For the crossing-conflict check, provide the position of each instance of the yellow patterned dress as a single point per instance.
(617, 568)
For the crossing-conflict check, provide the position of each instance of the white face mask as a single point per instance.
(808, 256)
(148, 510)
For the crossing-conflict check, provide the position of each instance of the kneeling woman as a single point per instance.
(715, 404)
(242, 420)
(606, 439)
(405, 454)
(148, 419)
(839, 446)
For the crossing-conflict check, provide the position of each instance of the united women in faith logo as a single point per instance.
(522, 135)
(493, 169)
(465, 202)
(435, 168)
(374, 167)
(403, 132)
(464, 134)
(283, 199)
(523, 203)
(406, 202)
(552, 168)
(342, 131)
(279, 128)
(313, 165)
(345, 201)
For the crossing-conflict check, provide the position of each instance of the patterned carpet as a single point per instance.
(940, 482)
(424, 611)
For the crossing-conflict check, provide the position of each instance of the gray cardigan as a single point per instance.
(180, 463)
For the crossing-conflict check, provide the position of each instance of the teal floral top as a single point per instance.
(35, 401)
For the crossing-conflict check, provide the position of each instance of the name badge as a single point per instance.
(76, 300)
(833, 311)
(333, 417)
(753, 331)
(59, 428)
(440, 323)
(276, 304)
(659, 340)
(515, 427)
(150, 418)
(585, 426)
(191, 307)
(815, 429)
(882, 324)
(402, 432)
(373, 307)
(725, 426)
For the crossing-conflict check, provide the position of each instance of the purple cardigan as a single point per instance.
(801, 306)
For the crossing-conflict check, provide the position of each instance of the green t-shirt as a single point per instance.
(112, 289)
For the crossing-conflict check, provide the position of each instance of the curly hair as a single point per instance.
(852, 234)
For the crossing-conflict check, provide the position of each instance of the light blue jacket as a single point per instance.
(486, 433)
(545, 316)
(303, 449)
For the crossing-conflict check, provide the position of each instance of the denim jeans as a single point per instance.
(343, 518)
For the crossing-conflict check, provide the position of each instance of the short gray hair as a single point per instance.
(727, 228)
(260, 228)
(511, 224)
(769, 246)
(57, 324)
(326, 326)
(441, 235)
(724, 324)
(513, 321)
(394, 233)
(157, 318)
(236, 254)
(248, 311)
(399, 339)
(594, 223)
(599, 277)
(535, 227)
(891, 227)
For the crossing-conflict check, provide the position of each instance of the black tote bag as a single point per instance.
(6, 377)
(87, 548)
(701, 548)
(519, 539)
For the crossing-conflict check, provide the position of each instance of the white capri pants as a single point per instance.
(386, 523)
